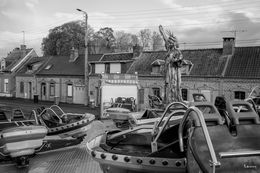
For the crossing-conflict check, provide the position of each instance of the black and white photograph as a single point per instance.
(129, 86)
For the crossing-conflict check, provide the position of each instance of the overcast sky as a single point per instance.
(197, 23)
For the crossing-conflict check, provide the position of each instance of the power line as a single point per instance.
(175, 14)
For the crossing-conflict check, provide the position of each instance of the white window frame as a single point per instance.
(69, 90)
(6, 81)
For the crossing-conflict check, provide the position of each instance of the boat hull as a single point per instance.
(246, 141)
(20, 141)
(75, 129)
(119, 163)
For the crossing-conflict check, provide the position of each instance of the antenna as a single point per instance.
(23, 37)
(235, 32)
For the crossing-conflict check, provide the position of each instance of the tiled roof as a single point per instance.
(13, 58)
(206, 62)
(60, 65)
(32, 61)
(16, 54)
(244, 63)
(111, 57)
(94, 57)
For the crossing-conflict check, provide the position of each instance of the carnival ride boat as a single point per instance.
(19, 138)
(123, 118)
(204, 140)
(64, 124)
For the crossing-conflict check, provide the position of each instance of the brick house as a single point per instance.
(230, 71)
(26, 86)
(10, 66)
(63, 76)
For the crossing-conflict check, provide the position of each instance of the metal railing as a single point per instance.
(154, 142)
(214, 163)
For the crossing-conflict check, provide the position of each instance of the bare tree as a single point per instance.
(146, 38)
(123, 41)
(158, 43)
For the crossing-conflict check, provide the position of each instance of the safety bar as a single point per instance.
(168, 108)
(154, 142)
(35, 117)
(199, 114)
(239, 154)
(59, 108)
(52, 111)
(252, 91)
(63, 113)
(130, 131)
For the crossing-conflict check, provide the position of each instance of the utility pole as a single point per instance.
(86, 72)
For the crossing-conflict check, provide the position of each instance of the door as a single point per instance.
(30, 90)
(43, 91)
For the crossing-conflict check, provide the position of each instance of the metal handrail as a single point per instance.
(59, 108)
(35, 117)
(168, 108)
(130, 131)
(60, 120)
(199, 114)
(154, 142)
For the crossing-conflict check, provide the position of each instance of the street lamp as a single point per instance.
(86, 72)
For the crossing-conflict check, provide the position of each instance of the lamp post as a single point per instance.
(86, 72)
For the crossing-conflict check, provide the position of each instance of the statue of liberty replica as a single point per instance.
(174, 64)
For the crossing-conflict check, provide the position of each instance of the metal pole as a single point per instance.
(86, 72)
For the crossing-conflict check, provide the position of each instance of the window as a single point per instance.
(99, 68)
(115, 68)
(156, 92)
(21, 87)
(184, 94)
(48, 67)
(29, 67)
(141, 96)
(107, 68)
(69, 90)
(92, 68)
(6, 85)
(240, 95)
(52, 89)
(156, 69)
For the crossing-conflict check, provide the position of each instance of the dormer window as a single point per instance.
(48, 67)
(157, 66)
(29, 67)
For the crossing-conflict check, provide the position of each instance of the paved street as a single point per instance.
(73, 159)
(28, 105)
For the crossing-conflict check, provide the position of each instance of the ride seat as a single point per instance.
(17, 115)
(210, 114)
(242, 112)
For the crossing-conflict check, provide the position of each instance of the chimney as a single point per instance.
(137, 50)
(228, 45)
(23, 50)
(23, 47)
(74, 54)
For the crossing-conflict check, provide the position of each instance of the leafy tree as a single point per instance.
(61, 39)
(103, 41)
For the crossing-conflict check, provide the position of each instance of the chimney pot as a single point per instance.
(137, 50)
(74, 54)
(228, 45)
